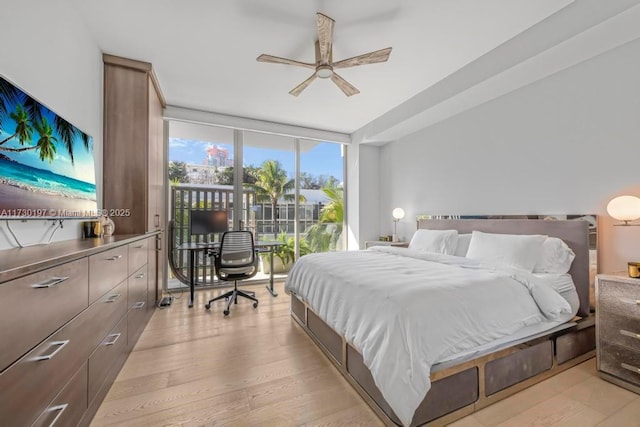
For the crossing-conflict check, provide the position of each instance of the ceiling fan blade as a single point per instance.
(368, 58)
(325, 37)
(302, 86)
(277, 60)
(344, 85)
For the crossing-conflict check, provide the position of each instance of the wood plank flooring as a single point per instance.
(257, 367)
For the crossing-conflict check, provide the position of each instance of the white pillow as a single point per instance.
(463, 244)
(556, 257)
(515, 250)
(437, 241)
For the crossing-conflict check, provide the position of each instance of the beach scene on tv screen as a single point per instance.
(46, 164)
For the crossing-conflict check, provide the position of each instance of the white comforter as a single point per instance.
(404, 310)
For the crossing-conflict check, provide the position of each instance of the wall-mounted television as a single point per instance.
(46, 164)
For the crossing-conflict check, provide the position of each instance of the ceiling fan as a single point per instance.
(324, 64)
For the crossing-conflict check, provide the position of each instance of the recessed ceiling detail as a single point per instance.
(324, 65)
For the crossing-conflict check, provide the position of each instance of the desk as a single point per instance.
(194, 248)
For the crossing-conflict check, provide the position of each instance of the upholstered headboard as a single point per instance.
(575, 234)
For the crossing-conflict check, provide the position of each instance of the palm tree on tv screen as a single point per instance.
(28, 115)
(45, 145)
(23, 126)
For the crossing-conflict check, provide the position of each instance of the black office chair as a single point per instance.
(235, 260)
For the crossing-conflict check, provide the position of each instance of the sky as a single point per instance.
(323, 159)
(84, 168)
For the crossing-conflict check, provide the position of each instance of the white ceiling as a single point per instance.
(204, 51)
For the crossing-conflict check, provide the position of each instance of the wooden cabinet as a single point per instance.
(66, 340)
(618, 330)
(134, 160)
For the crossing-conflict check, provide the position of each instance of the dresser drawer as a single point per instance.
(111, 349)
(106, 270)
(619, 361)
(27, 387)
(137, 319)
(619, 297)
(138, 254)
(619, 330)
(69, 405)
(105, 313)
(138, 288)
(35, 306)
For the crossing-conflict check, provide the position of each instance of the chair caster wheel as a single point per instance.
(255, 304)
(226, 312)
(207, 306)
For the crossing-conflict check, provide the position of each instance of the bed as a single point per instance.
(388, 357)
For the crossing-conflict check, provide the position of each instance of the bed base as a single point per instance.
(461, 389)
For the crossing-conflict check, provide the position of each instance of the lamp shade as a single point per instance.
(398, 214)
(624, 208)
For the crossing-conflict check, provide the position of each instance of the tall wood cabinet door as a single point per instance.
(125, 159)
(156, 161)
(158, 187)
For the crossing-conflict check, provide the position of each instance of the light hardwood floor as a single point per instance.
(256, 367)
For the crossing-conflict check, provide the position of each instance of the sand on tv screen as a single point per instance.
(46, 164)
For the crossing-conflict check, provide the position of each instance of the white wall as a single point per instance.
(370, 214)
(565, 144)
(363, 182)
(49, 53)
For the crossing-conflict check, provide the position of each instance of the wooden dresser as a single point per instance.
(618, 330)
(70, 313)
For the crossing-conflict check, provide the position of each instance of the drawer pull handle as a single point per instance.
(630, 368)
(139, 276)
(114, 338)
(114, 258)
(59, 344)
(139, 304)
(113, 298)
(50, 283)
(630, 334)
(58, 408)
(138, 247)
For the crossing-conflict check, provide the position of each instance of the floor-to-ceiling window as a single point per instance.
(288, 189)
(321, 183)
(269, 170)
(200, 161)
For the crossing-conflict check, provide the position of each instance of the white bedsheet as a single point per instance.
(404, 310)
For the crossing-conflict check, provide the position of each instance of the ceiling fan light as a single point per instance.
(324, 72)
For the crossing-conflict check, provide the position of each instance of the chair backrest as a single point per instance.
(236, 258)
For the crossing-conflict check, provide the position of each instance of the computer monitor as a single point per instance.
(208, 221)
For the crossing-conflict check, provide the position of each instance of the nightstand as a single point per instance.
(618, 330)
(370, 243)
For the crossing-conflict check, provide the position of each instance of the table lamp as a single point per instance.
(626, 209)
(398, 214)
